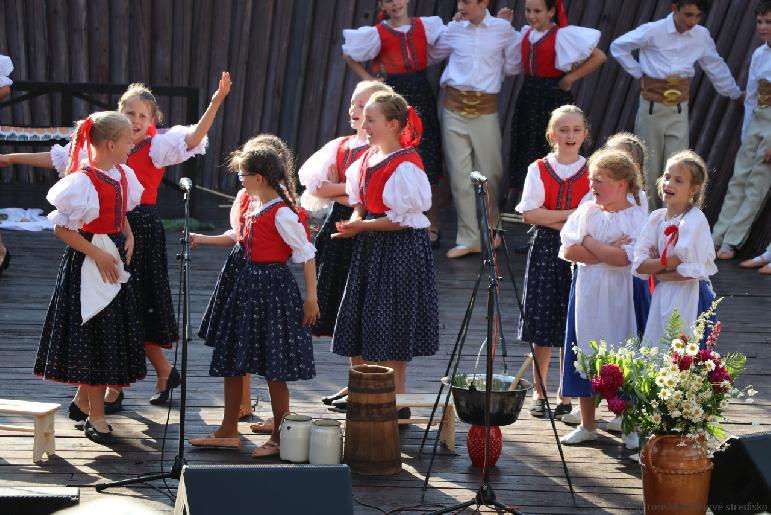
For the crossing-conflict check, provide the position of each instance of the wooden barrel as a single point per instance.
(371, 428)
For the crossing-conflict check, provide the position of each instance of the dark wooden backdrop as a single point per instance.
(289, 78)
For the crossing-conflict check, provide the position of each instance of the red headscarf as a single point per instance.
(412, 132)
(82, 139)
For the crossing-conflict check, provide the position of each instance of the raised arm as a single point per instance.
(37, 159)
(204, 124)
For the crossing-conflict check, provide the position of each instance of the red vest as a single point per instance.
(262, 241)
(372, 179)
(149, 176)
(540, 58)
(112, 201)
(563, 194)
(402, 52)
(347, 156)
(243, 206)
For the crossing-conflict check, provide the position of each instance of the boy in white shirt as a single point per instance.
(668, 50)
(481, 50)
(751, 180)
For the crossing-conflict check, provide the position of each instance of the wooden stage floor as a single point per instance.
(529, 473)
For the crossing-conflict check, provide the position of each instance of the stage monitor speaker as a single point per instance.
(264, 489)
(37, 500)
(741, 479)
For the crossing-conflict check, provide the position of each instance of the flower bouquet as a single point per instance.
(678, 392)
(678, 388)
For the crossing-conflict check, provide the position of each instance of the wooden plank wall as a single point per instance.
(289, 77)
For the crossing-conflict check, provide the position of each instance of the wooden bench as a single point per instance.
(43, 429)
(420, 400)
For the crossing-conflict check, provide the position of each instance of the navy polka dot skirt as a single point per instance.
(545, 296)
(106, 350)
(150, 267)
(333, 260)
(225, 284)
(389, 309)
(261, 329)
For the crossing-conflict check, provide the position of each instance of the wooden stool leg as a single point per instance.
(448, 428)
(39, 445)
(50, 435)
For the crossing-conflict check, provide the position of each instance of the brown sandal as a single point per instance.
(263, 427)
(213, 441)
(269, 448)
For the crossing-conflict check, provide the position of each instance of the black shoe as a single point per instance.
(115, 406)
(341, 403)
(172, 382)
(538, 408)
(403, 414)
(328, 400)
(78, 416)
(561, 410)
(97, 436)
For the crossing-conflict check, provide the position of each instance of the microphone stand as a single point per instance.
(184, 258)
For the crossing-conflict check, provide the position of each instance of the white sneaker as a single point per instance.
(579, 435)
(574, 417)
(614, 425)
(631, 440)
(635, 457)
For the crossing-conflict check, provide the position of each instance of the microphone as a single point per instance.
(477, 178)
(186, 184)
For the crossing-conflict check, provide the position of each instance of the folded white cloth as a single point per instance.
(20, 219)
(95, 293)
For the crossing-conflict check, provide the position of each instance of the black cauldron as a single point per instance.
(470, 400)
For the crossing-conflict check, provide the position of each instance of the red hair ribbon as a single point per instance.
(152, 130)
(381, 15)
(412, 132)
(562, 17)
(82, 139)
(671, 231)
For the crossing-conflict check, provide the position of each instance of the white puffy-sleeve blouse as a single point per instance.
(77, 202)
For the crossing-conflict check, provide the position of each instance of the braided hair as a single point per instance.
(259, 156)
(620, 167)
(95, 129)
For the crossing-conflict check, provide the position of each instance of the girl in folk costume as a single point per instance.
(553, 188)
(635, 149)
(554, 56)
(389, 310)
(676, 248)
(264, 325)
(599, 237)
(92, 334)
(150, 154)
(398, 47)
(234, 263)
(323, 176)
